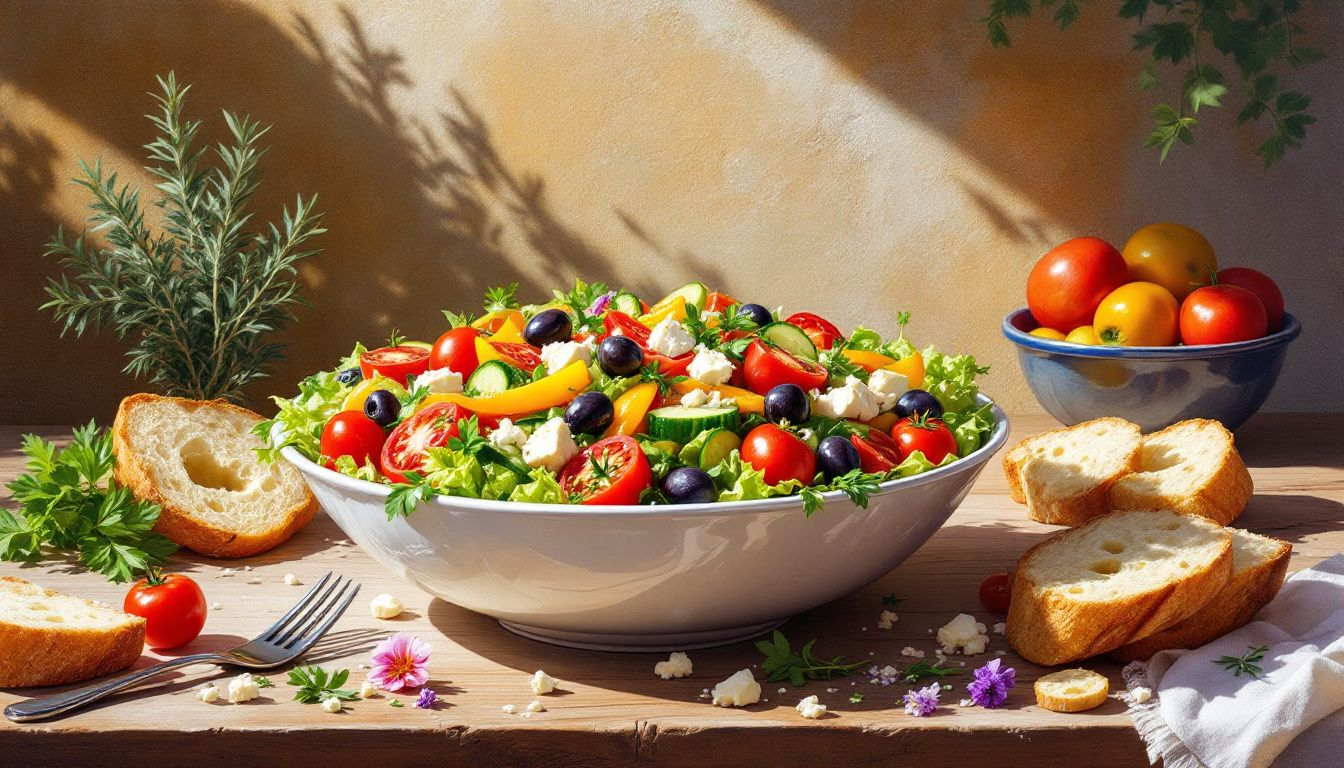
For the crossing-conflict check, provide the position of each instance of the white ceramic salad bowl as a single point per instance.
(647, 578)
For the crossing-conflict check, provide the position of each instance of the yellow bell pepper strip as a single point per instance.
(868, 361)
(910, 366)
(747, 401)
(675, 309)
(557, 389)
(491, 322)
(484, 352)
(510, 332)
(884, 421)
(354, 401)
(631, 408)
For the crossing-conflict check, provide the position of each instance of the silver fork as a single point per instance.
(285, 640)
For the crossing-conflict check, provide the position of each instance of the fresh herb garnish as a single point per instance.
(891, 600)
(469, 438)
(70, 502)
(1246, 663)
(395, 703)
(394, 339)
(650, 373)
(405, 497)
(263, 682)
(782, 663)
(578, 301)
(856, 698)
(501, 297)
(922, 669)
(457, 319)
(856, 484)
(316, 685)
(713, 336)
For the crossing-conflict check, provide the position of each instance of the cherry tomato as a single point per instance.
(1048, 333)
(1083, 334)
(820, 330)
(928, 436)
(717, 302)
(1138, 315)
(1264, 289)
(779, 454)
(996, 591)
(767, 366)
(522, 356)
(395, 363)
(351, 433)
(1068, 282)
(456, 351)
(1222, 314)
(877, 451)
(610, 471)
(172, 605)
(429, 427)
(1174, 256)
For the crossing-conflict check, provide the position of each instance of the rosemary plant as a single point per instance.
(200, 296)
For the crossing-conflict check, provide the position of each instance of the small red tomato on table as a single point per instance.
(996, 591)
(926, 435)
(172, 605)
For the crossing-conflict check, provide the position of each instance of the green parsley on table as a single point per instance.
(782, 663)
(315, 684)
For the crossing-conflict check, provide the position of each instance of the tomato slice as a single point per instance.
(877, 452)
(396, 363)
(767, 366)
(717, 302)
(628, 326)
(821, 331)
(524, 356)
(610, 471)
(429, 427)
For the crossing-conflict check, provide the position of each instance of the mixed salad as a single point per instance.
(596, 397)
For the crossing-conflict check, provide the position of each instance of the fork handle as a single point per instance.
(44, 707)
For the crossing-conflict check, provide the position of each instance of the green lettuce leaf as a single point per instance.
(739, 481)
(303, 416)
(544, 488)
(454, 473)
(951, 379)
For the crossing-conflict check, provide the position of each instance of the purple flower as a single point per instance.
(922, 701)
(599, 304)
(992, 683)
(427, 698)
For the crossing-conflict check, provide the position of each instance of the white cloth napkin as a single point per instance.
(1204, 717)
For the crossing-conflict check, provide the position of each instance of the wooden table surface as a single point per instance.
(611, 709)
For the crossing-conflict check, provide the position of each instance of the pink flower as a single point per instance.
(400, 661)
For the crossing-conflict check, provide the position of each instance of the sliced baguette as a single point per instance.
(1065, 476)
(1120, 578)
(1259, 565)
(197, 460)
(50, 638)
(1191, 467)
(1071, 690)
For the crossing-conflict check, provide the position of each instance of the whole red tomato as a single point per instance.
(1222, 314)
(1264, 289)
(928, 436)
(821, 331)
(996, 591)
(172, 605)
(456, 351)
(766, 366)
(610, 471)
(780, 455)
(351, 433)
(877, 451)
(1069, 282)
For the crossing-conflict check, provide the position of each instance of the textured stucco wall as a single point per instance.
(854, 158)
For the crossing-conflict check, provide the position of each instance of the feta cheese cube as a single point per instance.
(440, 381)
(677, 665)
(208, 693)
(243, 688)
(963, 633)
(717, 400)
(886, 619)
(292, 580)
(811, 708)
(385, 606)
(550, 446)
(509, 709)
(912, 652)
(670, 338)
(367, 690)
(710, 366)
(558, 354)
(695, 398)
(543, 683)
(332, 705)
(508, 436)
(888, 386)
(739, 690)
(853, 400)
(1000, 628)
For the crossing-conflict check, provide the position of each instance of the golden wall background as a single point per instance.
(852, 158)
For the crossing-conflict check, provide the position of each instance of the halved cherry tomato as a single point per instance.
(877, 451)
(717, 302)
(996, 591)
(611, 471)
(351, 433)
(172, 605)
(456, 351)
(821, 331)
(780, 455)
(396, 363)
(430, 427)
(524, 356)
(929, 436)
(628, 326)
(768, 366)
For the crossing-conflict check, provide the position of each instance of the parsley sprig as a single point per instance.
(578, 301)
(69, 501)
(783, 663)
(1247, 663)
(650, 373)
(316, 685)
(890, 600)
(501, 297)
(856, 484)
(922, 669)
(713, 337)
(457, 319)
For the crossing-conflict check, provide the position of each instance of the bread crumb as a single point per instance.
(1141, 695)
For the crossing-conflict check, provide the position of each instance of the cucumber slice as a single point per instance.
(627, 303)
(791, 339)
(491, 377)
(695, 294)
(718, 445)
(420, 344)
(682, 424)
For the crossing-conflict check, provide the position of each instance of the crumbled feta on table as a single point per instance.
(543, 683)
(739, 690)
(558, 354)
(535, 705)
(1000, 628)
(677, 665)
(888, 386)
(964, 633)
(292, 580)
(509, 709)
(886, 619)
(367, 690)
(243, 688)
(208, 693)
(550, 446)
(912, 652)
(710, 366)
(811, 708)
(440, 381)
(508, 436)
(385, 606)
(1141, 695)
(332, 705)
(853, 400)
(670, 338)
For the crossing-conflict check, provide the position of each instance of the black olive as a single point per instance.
(787, 402)
(760, 315)
(382, 407)
(620, 356)
(689, 485)
(590, 414)
(549, 326)
(350, 376)
(918, 401)
(836, 455)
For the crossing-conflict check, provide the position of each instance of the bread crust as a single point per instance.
(179, 524)
(1048, 628)
(53, 656)
(1073, 510)
(1222, 499)
(1233, 606)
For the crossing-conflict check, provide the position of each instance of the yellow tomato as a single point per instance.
(1083, 334)
(1174, 256)
(1138, 315)
(1048, 333)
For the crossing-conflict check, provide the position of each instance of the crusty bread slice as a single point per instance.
(1191, 467)
(1071, 690)
(1065, 476)
(197, 460)
(1115, 580)
(49, 638)
(1259, 565)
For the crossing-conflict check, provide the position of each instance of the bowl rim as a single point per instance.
(992, 444)
(1292, 327)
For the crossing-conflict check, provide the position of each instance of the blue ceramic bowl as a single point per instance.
(1151, 386)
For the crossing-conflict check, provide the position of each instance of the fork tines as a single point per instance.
(313, 615)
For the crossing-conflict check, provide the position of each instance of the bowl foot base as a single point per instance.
(637, 643)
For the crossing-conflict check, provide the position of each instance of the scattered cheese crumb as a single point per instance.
(783, 690)
(810, 708)
(332, 705)
(1141, 695)
(1000, 628)
(886, 619)
(243, 688)
(912, 652)
(966, 703)
(216, 606)
(292, 580)
(963, 634)
(677, 665)
(543, 683)
(535, 705)
(509, 709)
(208, 693)
(367, 690)
(738, 690)
(385, 606)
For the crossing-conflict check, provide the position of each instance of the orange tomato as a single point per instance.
(1048, 333)
(1174, 256)
(1138, 315)
(1083, 334)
